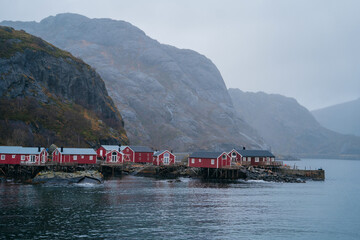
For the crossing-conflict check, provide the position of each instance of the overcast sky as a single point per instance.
(309, 50)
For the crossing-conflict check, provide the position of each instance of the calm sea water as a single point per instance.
(145, 208)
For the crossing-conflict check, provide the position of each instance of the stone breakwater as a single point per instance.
(272, 174)
(71, 174)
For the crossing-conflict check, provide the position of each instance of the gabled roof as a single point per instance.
(114, 150)
(205, 154)
(255, 153)
(20, 150)
(111, 147)
(160, 152)
(77, 151)
(138, 148)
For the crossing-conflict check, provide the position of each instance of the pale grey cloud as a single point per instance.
(304, 49)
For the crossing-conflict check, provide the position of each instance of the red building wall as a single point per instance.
(101, 152)
(9, 159)
(128, 155)
(69, 158)
(108, 157)
(143, 157)
(159, 160)
(206, 162)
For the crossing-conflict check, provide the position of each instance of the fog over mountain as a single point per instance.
(290, 128)
(342, 118)
(168, 97)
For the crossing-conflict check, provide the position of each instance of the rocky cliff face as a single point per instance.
(47, 95)
(169, 98)
(289, 128)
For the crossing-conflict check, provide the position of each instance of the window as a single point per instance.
(113, 156)
(244, 158)
(74, 157)
(212, 161)
(82, 157)
(91, 158)
(32, 158)
(199, 160)
(224, 156)
(13, 156)
(267, 159)
(22, 157)
(233, 154)
(101, 152)
(2, 157)
(56, 152)
(166, 158)
(249, 159)
(193, 160)
(272, 159)
(257, 159)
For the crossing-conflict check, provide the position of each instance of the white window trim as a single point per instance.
(256, 159)
(223, 156)
(22, 157)
(91, 158)
(212, 161)
(199, 160)
(2, 157)
(75, 157)
(32, 158)
(13, 156)
(192, 160)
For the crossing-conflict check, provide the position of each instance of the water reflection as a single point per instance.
(144, 208)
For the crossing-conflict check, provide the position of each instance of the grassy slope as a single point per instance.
(26, 121)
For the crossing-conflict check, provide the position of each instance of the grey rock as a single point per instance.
(169, 97)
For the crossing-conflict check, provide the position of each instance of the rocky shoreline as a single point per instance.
(96, 175)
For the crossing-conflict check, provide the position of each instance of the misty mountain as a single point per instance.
(343, 118)
(290, 128)
(168, 97)
(49, 96)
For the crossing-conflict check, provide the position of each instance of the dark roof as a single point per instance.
(205, 154)
(140, 149)
(255, 153)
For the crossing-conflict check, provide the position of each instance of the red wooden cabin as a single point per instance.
(74, 155)
(137, 154)
(209, 160)
(114, 156)
(163, 157)
(23, 155)
(104, 149)
(252, 157)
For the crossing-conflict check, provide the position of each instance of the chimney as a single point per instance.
(171, 151)
(39, 148)
(61, 149)
(244, 148)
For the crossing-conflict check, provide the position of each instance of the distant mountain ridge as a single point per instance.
(290, 128)
(343, 118)
(168, 97)
(49, 96)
